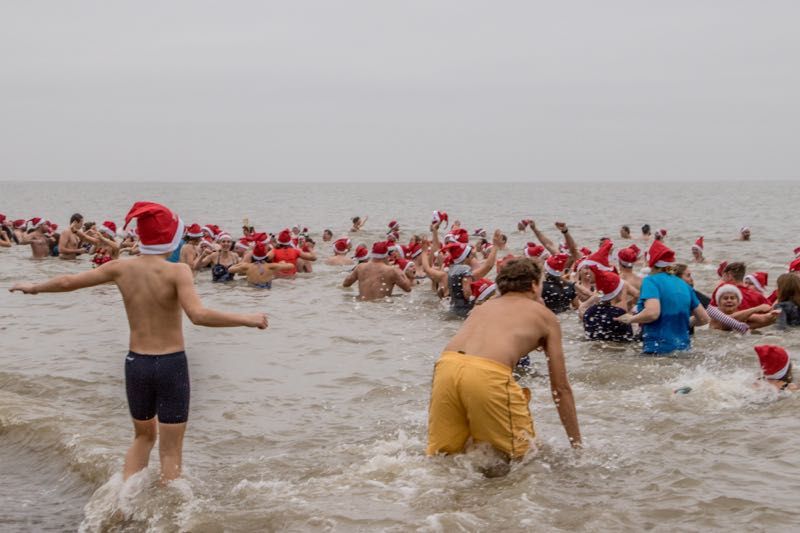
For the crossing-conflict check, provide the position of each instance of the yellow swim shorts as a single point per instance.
(479, 398)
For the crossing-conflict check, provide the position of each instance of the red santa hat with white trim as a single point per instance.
(242, 244)
(260, 252)
(361, 253)
(534, 250)
(555, 264)
(413, 250)
(482, 289)
(380, 250)
(660, 255)
(285, 237)
(341, 246)
(600, 258)
(627, 256)
(794, 266)
(404, 264)
(797, 253)
(774, 360)
(160, 230)
(759, 280)
(458, 252)
(726, 288)
(698, 244)
(35, 222)
(439, 217)
(109, 228)
(608, 283)
(194, 231)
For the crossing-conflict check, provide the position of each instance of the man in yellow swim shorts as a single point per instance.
(474, 393)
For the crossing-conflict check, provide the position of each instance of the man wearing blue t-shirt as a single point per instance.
(666, 306)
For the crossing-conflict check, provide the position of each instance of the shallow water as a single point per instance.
(319, 423)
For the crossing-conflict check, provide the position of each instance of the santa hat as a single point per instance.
(698, 244)
(393, 225)
(599, 259)
(35, 223)
(585, 252)
(479, 232)
(361, 252)
(2, 218)
(109, 228)
(726, 288)
(461, 235)
(19, 223)
(608, 283)
(503, 261)
(224, 237)
(534, 250)
(744, 228)
(662, 232)
(522, 224)
(341, 246)
(774, 361)
(205, 243)
(257, 237)
(721, 268)
(440, 216)
(285, 237)
(794, 266)
(260, 252)
(627, 257)
(458, 252)
(482, 289)
(52, 226)
(412, 250)
(555, 264)
(397, 249)
(160, 230)
(797, 252)
(660, 255)
(194, 231)
(242, 244)
(759, 280)
(404, 264)
(212, 230)
(380, 250)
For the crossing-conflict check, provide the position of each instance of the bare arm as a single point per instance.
(401, 280)
(203, 260)
(559, 384)
(351, 278)
(71, 282)
(487, 265)
(435, 243)
(435, 274)
(571, 245)
(593, 299)
(650, 313)
(279, 266)
(700, 316)
(203, 316)
(547, 243)
(110, 243)
(308, 256)
(239, 268)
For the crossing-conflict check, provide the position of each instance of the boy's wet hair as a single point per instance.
(518, 275)
(77, 217)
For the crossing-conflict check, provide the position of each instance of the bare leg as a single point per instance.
(170, 449)
(139, 453)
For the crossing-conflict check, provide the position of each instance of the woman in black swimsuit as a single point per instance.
(222, 259)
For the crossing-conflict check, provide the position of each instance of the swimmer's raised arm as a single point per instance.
(547, 243)
(559, 383)
(486, 266)
(570, 242)
(203, 316)
(70, 282)
(435, 274)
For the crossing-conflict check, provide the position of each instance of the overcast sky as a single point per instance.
(407, 90)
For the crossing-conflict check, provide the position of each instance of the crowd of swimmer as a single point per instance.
(602, 286)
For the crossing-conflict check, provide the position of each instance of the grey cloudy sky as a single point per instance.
(385, 91)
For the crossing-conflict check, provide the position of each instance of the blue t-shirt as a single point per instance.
(671, 331)
(176, 254)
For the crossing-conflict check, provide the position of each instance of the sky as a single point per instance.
(413, 90)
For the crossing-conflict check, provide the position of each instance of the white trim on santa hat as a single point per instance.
(156, 249)
(664, 264)
(486, 292)
(552, 271)
(755, 282)
(782, 372)
(108, 231)
(461, 258)
(725, 289)
(613, 294)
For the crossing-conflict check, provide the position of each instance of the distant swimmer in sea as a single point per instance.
(376, 278)
(156, 374)
(667, 307)
(788, 301)
(70, 240)
(625, 232)
(744, 233)
(776, 367)
(474, 394)
(37, 237)
(286, 252)
(259, 272)
(698, 249)
(341, 247)
(358, 223)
